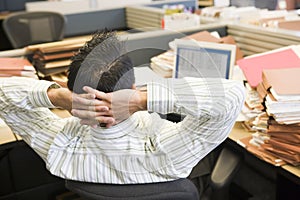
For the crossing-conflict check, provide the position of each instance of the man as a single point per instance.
(136, 146)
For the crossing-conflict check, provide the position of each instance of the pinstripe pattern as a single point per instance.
(144, 148)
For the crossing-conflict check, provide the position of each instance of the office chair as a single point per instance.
(181, 189)
(226, 167)
(27, 28)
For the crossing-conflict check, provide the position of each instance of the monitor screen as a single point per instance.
(203, 59)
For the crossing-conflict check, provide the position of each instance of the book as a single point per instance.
(283, 145)
(262, 91)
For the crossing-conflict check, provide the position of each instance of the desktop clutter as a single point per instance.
(282, 18)
(164, 63)
(48, 61)
(272, 107)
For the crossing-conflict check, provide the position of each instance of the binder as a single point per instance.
(252, 67)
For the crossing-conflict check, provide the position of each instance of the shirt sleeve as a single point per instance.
(197, 97)
(25, 93)
(210, 107)
(24, 108)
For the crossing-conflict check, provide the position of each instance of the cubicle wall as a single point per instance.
(14, 5)
(143, 46)
(141, 16)
(89, 22)
(253, 39)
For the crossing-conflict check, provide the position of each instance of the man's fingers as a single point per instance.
(87, 95)
(89, 104)
(99, 94)
(89, 114)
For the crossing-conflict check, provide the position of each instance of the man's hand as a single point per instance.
(97, 107)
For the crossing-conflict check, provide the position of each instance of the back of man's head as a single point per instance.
(102, 63)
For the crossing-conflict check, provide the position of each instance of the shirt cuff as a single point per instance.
(160, 97)
(38, 94)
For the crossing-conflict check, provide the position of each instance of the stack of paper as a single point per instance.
(260, 152)
(54, 59)
(284, 141)
(275, 78)
(278, 133)
(163, 64)
(16, 67)
(283, 100)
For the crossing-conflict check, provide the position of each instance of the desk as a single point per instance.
(6, 135)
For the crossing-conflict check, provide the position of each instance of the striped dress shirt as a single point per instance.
(143, 148)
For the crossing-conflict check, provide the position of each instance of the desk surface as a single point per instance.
(6, 135)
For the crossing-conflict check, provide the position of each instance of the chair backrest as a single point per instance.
(181, 189)
(27, 28)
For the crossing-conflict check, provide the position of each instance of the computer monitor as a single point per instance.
(203, 59)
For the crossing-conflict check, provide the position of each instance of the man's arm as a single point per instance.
(24, 107)
(60, 97)
(209, 98)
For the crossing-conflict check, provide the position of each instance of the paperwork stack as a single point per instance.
(284, 141)
(277, 86)
(283, 96)
(49, 61)
(16, 67)
(163, 64)
(283, 105)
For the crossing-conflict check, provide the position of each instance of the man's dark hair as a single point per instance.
(102, 63)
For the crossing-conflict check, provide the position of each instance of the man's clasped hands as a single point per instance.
(96, 108)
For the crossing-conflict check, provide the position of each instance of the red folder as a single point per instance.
(252, 67)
